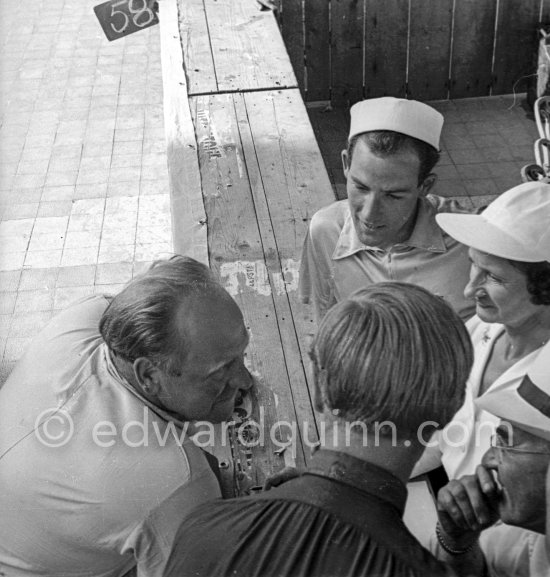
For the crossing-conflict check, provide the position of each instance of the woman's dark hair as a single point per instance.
(388, 142)
(538, 280)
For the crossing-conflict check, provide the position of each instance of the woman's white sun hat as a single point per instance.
(515, 226)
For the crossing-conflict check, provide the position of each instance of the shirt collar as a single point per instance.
(426, 235)
(361, 475)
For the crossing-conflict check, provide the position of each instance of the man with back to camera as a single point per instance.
(508, 488)
(386, 229)
(343, 515)
(96, 465)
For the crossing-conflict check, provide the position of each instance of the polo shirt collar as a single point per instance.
(426, 235)
(361, 475)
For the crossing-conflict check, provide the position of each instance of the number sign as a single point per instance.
(119, 18)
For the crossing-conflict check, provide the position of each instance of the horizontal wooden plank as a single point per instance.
(195, 43)
(188, 214)
(247, 48)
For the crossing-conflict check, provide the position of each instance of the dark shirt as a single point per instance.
(342, 517)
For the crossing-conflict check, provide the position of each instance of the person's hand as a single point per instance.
(268, 4)
(281, 477)
(468, 505)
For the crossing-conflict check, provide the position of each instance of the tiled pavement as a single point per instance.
(485, 143)
(83, 178)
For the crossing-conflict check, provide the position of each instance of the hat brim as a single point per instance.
(508, 405)
(474, 231)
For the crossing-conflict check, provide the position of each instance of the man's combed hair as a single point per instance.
(392, 352)
(139, 322)
(388, 142)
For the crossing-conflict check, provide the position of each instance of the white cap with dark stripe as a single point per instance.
(525, 403)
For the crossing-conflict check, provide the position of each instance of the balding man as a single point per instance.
(96, 465)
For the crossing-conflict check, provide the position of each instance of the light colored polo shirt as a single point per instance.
(93, 479)
(335, 263)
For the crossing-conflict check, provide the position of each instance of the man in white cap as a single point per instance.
(508, 488)
(386, 229)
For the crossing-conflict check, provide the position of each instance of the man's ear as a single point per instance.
(428, 183)
(345, 162)
(147, 375)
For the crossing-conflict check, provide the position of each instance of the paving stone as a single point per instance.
(38, 278)
(43, 258)
(76, 275)
(114, 273)
(7, 302)
(65, 296)
(9, 280)
(34, 300)
(29, 324)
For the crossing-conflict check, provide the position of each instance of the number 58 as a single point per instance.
(140, 13)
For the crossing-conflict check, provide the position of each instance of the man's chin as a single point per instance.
(374, 238)
(223, 412)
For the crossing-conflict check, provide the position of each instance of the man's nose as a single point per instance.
(241, 378)
(370, 211)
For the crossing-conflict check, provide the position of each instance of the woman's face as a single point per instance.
(499, 290)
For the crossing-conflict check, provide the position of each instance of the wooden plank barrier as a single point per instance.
(474, 34)
(230, 45)
(386, 32)
(346, 44)
(425, 49)
(188, 216)
(317, 50)
(515, 44)
(243, 148)
(429, 49)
